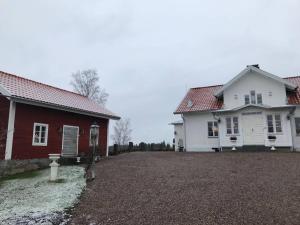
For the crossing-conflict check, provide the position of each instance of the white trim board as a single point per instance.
(10, 131)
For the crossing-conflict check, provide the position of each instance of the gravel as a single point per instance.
(165, 188)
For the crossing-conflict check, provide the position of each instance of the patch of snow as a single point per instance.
(38, 201)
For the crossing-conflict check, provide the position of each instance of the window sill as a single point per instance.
(39, 145)
(213, 137)
(232, 135)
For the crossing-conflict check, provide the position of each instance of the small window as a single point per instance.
(259, 98)
(235, 125)
(40, 134)
(297, 126)
(228, 125)
(247, 99)
(278, 123)
(97, 137)
(253, 98)
(235, 97)
(213, 130)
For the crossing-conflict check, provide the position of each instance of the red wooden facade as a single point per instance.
(4, 111)
(27, 115)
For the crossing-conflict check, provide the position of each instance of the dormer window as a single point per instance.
(253, 97)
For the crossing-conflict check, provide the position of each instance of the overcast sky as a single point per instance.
(148, 52)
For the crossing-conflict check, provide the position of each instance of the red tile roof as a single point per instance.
(203, 99)
(22, 88)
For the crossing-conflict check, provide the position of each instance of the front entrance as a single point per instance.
(70, 141)
(253, 128)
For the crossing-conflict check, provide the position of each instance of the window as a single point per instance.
(228, 125)
(271, 120)
(278, 123)
(232, 125)
(97, 137)
(40, 134)
(247, 99)
(253, 98)
(297, 125)
(270, 123)
(213, 130)
(259, 98)
(235, 125)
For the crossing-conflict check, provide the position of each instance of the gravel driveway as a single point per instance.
(165, 188)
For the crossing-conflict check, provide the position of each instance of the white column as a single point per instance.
(107, 142)
(10, 130)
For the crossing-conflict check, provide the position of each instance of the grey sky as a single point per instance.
(148, 52)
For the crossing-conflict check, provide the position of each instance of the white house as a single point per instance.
(255, 109)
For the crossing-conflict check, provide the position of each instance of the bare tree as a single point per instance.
(85, 82)
(122, 132)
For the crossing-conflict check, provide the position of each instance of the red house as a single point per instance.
(37, 119)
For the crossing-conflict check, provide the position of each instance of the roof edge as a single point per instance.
(63, 108)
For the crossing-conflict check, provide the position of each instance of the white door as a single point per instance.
(253, 129)
(70, 141)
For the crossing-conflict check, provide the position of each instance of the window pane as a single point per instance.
(278, 123)
(228, 125)
(236, 125)
(43, 135)
(247, 99)
(297, 124)
(210, 129)
(270, 123)
(259, 99)
(216, 129)
(253, 100)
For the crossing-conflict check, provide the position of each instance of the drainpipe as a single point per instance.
(290, 115)
(184, 131)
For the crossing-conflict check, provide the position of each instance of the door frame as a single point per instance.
(63, 138)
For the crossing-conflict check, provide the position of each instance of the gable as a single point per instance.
(255, 70)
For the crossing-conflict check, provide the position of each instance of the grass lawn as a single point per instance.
(167, 188)
(30, 197)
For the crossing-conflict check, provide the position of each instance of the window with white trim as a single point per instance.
(297, 125)
(259, 99)
(253, 97)
(213, 130)
(274, 123)
(40, 134)
(232, 125)
(97, 137)
(247, 99)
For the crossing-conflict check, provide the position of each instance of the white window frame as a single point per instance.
(46, 134)
(261, 98)
(232, 126)
(214, 124)
(248, 98)
(274, 124)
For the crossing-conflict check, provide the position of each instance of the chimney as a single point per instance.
(255, 65)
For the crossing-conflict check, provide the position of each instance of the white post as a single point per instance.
(54, 166)
(10, 130)
(107, 142)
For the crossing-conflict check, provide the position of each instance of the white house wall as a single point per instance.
(283, 140)
(178, 134)
(260, 84)
(196, 127)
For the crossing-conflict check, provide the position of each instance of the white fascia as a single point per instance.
(10, 130)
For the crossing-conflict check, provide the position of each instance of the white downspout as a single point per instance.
(10, 130)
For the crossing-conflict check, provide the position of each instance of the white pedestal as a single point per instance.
(54, 166)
